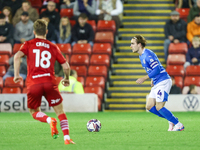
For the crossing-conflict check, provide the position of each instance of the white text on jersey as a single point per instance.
(42, 44)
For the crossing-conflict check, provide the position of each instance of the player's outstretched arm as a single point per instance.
(66, 70)
(17, 61)
(141, 80)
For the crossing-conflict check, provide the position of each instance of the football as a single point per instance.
(93, 125)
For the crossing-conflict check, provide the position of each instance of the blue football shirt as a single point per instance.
(149, 62)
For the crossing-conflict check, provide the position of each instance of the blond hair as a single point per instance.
(68, 28)
(40, 27)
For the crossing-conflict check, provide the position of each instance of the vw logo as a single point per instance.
(191, 103)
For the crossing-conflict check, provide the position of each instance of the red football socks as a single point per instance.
(40, 116)
(64, 124)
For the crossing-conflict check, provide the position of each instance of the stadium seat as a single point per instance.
(78, 59)
(66, 12)
(184, 12)
(97, 90)
(176, 59)
(81, 70)
(179, 81)
(4, 60)
(44, 9)
(105, 25)
(97, 71)
(10, 83)
(72, 22)
(82, 49)
(102, 48)
(175, 70)
(104, 37)
(95, 81)
(58, 79)
(65, 48)
(1, 82)
(5, 48)
(11, 90)
(2, 71)
(100, 59)
(192, 80)
(16, 47)
(24, 90)
(36, 3)
(193, 70)
(93, 24)
(180, 48)
(82, 80)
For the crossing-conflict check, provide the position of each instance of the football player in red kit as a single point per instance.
(41, 56)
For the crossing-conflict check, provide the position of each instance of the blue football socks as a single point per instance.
(168, 115)
(154, 111)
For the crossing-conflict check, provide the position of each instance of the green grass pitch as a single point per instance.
(120, 131)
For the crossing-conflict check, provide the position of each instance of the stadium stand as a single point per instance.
(81, 70)
(10, 83)
(175, 70)
(2, 71)
(65, 48)
(104, 37)
(4, 60)
(95, 81)
(102, 48)
(78, 59)
(5, 48)
(66, 12)
(179, 48)
(11, 90)
(16, 47)
(98, 71)
(82, 49)
(176, 59)
(100, 59)
(184, 12)
(104, 25)
(193, 70)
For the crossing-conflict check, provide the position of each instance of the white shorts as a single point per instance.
(161, 90)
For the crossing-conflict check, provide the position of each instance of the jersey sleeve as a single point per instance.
(59, 57)
(24, 48)
(152, 61)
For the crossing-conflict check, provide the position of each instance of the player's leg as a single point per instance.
(161, 98)
(63, 122)
(55, 100)
(151, 102)
(34, 94)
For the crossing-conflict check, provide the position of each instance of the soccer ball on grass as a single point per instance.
(93, 125)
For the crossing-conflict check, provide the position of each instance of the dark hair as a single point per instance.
(26, 1)
(2, 16)
(72, 72)
(140, 39)
(83, 15)
(40, 27)
(197, 15)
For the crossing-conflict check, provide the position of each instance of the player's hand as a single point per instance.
(17, 79)
(140, 80)
(65, 82)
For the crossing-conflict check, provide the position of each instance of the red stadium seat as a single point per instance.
(82, 80)
(16, 47)
(1, 82)
(180, 48)
(78, 59)
(105, 25)
(97, 71)
(176, 70)
(100, 59)
(104, 37)
(2, 70)
(81, 70)
(192, 80)
(10, 83)
(11, 90)
(5, 48)
(24, 90)
(65, 48)
(179, 81)
(176, 59)
(72, 22)
(58, 79)
(66, 12)
(102, 48)
(97, 90)
(4, 60)
(93, 24)
(36, 3)
(82, 49)
(95, 81)
(44, 9)
(193, 71)
(184, 12)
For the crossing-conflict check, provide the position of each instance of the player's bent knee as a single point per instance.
(148, 107)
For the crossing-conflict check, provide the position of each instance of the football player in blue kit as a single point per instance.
(160, 81)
